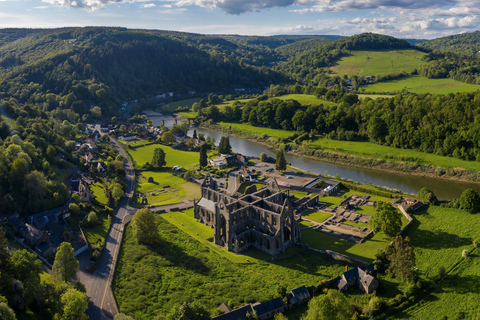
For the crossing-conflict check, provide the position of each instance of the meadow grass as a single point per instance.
(305, 99)
(98, 232)
(173, 157)
(375, 96)
(376, 151)
(178, 191)
(172, 106)
(150, 280)
(365, 63)
(97, 192)
(275, 133)
(419, 84)
(316, 215)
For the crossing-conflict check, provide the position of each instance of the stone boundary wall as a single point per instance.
(338, 256)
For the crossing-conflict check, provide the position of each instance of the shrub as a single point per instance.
(465, 253)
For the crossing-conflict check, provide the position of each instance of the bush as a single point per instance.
(465, 253)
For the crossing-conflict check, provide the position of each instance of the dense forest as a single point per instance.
(296, 48)
(446, 125)
(451, 65)
(465, 43)
(75, 66)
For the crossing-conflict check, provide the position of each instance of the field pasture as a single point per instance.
(144, 153)
(373, 63)
(419, 84)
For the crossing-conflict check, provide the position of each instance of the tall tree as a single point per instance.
(74, 305)
(386, 219)
(401, 255)
(66, 264)
(194, 134)
(281, 163)
(168, 137)
(158, 160)
(26, 268)
(144, 227)
(203, 155)
(224, 146)
(6, 313)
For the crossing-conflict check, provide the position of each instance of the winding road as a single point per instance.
(102, 303)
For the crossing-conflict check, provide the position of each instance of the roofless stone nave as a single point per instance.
(264, 219)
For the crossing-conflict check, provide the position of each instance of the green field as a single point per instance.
(374, 96)
(98, 233)
(171, 107)
(305, 99)
(178, 189)
(375, 151)
(144, 154)
(316, 215)
(419, 84)
(241, 127)
(97, 192)
(439, 236)
(150, 280)
(372, 63)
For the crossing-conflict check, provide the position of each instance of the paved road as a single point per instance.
(101, 300)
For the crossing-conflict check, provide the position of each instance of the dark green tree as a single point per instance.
(386, 219)
(194, 134)
(158, 160)
(401, 255)
(333, 305)
(427, 196)
(203, 155)
(144, 227)
(6, 313)
(281, 163)
(74, 305)
(224, 146)
(470, 201)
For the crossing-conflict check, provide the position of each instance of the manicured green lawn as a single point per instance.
(305, 223)
(316, 215)
(257, 130)
(419, 84)
(365, 209)
(330, 201)
(371, 63)
(158, 195)
(372, 150)
(97, 192)
(173, 157)
(152, 279)
(99, 232)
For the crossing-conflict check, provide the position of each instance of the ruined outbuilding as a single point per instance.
(265, 219)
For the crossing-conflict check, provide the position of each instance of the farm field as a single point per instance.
(275, 133)
(172, 106)
(372, 63)
(97, 192)
(374, 96)
(144, 154)
(158, 194)
(372, 150)
(152, 279)
(305, 99)
(419, 84)
(439, 236)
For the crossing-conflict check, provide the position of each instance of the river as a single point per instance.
(444, 189)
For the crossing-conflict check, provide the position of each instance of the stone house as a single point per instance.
(360, 277)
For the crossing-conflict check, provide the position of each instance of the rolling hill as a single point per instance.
(465, 43)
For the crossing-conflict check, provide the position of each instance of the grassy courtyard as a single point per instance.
(150, 280)
(316, 215)
(97, 190)
(157, 191)
(99, 232)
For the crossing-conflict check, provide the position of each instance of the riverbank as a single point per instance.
(397, 167)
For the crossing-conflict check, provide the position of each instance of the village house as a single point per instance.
(128, 137)
(360, 277)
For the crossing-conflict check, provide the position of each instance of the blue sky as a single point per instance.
(401, 18)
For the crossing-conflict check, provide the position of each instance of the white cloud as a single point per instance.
(149, 5)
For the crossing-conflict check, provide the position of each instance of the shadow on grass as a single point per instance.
(461, 285)
(435, 239)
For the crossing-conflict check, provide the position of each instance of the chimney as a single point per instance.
(346, 268)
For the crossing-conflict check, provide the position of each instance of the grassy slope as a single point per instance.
(419, 84)
(144, 154)
(372, 150)
(439, 236)
(365, 63)
(151, 280)
(257, 130)
(99, 232)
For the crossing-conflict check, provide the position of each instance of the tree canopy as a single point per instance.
(203, 155)
(144, 227)
(401, 257)
(386, 219)
(470, 201)
(281, 163)
(333, 305)
(158, 160)
(224, 146)
(66, 264)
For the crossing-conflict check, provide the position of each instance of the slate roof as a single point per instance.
(300, 293)
(269, 306)
(237, 314)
